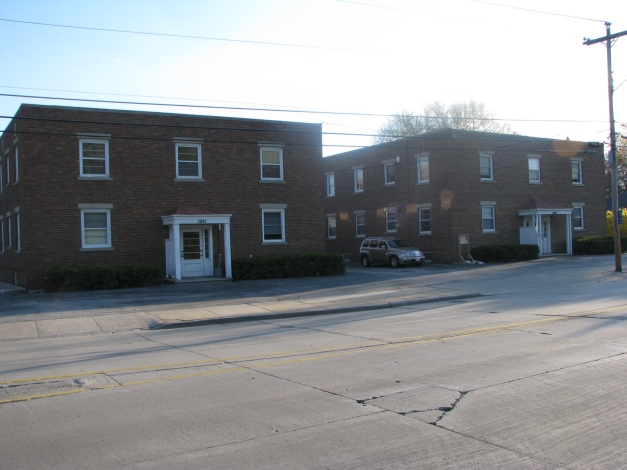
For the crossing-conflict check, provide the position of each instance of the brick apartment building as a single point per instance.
(495, 188)
(106, 187)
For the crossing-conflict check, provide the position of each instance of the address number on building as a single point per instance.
(202, 221)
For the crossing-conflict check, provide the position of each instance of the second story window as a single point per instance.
(534, 170)
(485, 166)
(330, 184)
(94, 156)
(359, 180)
(17, 164)
(188, 161)
(423, 169)
(388, 170)
(272, 164)
(575, 171)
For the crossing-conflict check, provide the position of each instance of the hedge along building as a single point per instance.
(495, 188)
(84, 187)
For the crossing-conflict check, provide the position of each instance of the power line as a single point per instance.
(299, 111)
(537, 11)
(182, 36)
(449, 17)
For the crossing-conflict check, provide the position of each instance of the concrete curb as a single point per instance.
(310, 313)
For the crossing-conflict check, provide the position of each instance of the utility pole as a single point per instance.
(614, 161)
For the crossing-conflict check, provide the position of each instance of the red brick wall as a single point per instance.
(142, 189)
(455, 189)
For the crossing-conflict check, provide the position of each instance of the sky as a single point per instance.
(345, 64)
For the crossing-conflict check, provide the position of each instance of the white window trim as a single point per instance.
(263, 225)
(95, 211)
(17, 166)
(1, 180)
(537, 158)
(357, 215)
(329, 236)
(488, 155)
(273, 149)
(579, 162)
(420, 209)
(385, 174)
(330, 176)
(81, 157)
(9, 235)
(391, 211)
(356, 171)
(188, 144)
(2, 229)
(579, 205)
(420, 179)
(18, 241)
(493, 218)
(8, 175)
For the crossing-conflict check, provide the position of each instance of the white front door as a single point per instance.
(545, 234)
(192, 253)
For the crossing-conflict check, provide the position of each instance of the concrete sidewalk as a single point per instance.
(95, 312)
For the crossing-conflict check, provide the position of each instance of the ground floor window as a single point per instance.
(273, 225)
(424, 219)
(578, 218)
(390, 221)
(96, 228)
(487, 218)
(360, 225)
(331, 227)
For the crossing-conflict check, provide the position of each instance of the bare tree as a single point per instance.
(468, 115)
(621, 159)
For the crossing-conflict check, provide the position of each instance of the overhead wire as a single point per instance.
(182, 36)
(299, 111)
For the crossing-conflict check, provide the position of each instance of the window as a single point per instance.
(389, 170)
(485, 166)
(1, 180)
(487, 218)
(331, 226)
(17, 160)
(330, 184)
(273, 225)
(575, 171)
(17, 228)
(96, 228)
(188, 161)
(2, 234)
(424, 220)
(9, 234)
(423, 169)
(534, 170)
(8, 167)
(360, 225)
(390, 220)
(94, 156)
(578, 217)
(359, 180)
(272, 164)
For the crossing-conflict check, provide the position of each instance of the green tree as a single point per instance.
(468, 115)
(621, 155)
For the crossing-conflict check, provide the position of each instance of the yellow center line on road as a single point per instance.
(348, 349)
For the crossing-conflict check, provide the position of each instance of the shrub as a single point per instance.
(74, 278)
(609, 222)
(596, 245)
(505, 253)
(292, 265)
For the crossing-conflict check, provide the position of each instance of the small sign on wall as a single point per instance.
(463, 239)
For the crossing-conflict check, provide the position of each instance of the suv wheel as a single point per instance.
(365, 261)
(394, 261)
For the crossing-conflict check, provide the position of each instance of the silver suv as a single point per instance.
(390, 250)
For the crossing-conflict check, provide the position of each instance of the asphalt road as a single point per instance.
(529, 376)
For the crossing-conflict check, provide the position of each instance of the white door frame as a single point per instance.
(204, 220)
